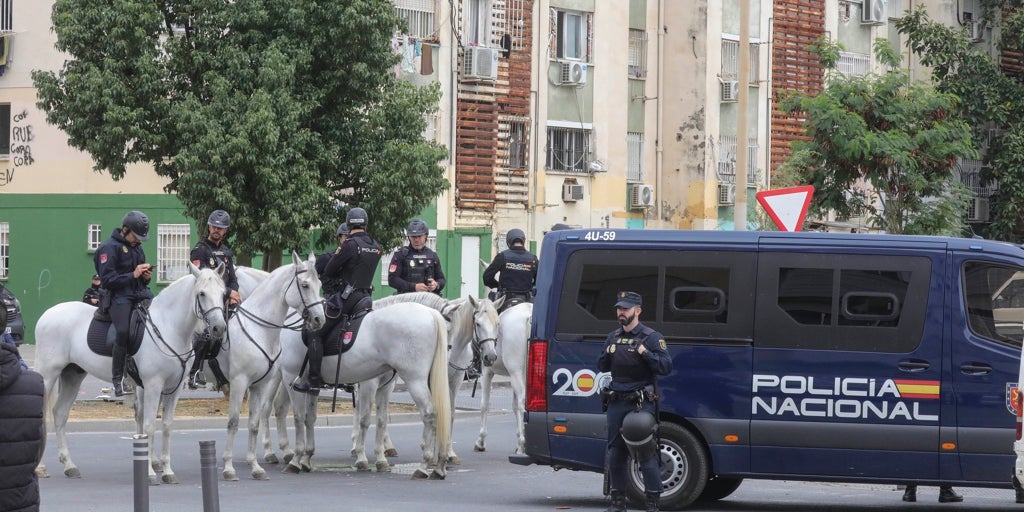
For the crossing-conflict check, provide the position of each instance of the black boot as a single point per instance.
(652, 499)
(222, 382)
(121, 386)
(618, 503)
(315, 355)
(948, 495)
(910, 494)
(196, 379)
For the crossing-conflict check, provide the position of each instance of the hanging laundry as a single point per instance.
(407, 55)
(419, 48)
(427, 60)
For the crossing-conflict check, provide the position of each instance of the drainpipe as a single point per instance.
(659, 146)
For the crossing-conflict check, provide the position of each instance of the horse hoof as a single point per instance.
(437, 475)
(290, 468)
(456, 460)
(230, 476)
(288, 457)
(42, 473)
(72, 473)
(420, 474)
(362, 465)
(153, 480)
(383, 467)
(260, 475)
(170, 478)
(307, 468)
(391, 452)
(271, 459)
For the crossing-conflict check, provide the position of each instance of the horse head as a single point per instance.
(485, 328)
(304, 297)
(208, 292)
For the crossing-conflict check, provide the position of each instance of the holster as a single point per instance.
(347, 291)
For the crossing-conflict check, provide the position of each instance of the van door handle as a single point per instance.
(915, 365)
(975, 368)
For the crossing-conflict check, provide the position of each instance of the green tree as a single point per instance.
(897, 136)
(990, 102)
(283, 112)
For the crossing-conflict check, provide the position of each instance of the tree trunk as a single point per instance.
(272, 259)
(243, 260)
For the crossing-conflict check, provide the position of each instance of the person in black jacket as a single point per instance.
(212, 252)
(513, 271)
(92, 293)
(22, 430)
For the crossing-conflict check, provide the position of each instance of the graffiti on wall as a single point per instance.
(21, 147)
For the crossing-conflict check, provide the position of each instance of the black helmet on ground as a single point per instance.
(219, 219)
(514, 235)
(417, 228)
(137, 223)
(357, 218)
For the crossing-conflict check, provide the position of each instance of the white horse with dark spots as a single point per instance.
(63, 357)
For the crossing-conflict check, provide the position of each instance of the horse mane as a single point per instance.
(431, 300)
(177, 286)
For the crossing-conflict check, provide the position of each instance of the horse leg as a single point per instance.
(384, 448)
(146, 406)
(70, 382)
(259, 408)
(302, 404)
(486, 375)
(234, 410)
(364, 391)
(421, 396)
(169, 404)
(282, 401)
(518, 381)
(454, 382)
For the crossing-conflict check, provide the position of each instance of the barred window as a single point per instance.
(637, 53)
(853, 64)
(568, 149)
(419, 15)
(6, 16)
(5, 249)
(635, 157)
(731, 61)
(95, 236)
(478, 22)
(173, 248)
(517, 142)
(515, 22)
(727, 159)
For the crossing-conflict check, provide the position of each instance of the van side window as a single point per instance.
(994, 300)
(842, 301)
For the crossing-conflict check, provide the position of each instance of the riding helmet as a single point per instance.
(417, 228)
(356, 219)
(138, 223)
(514, 235)
(219, 219)
(343, 229)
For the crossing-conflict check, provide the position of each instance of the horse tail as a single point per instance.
(439, 390)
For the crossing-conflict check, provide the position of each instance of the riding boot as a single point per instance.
(121, 386)
(315, 355)
(948, 495)
(222, 381)
(652, 499)
(196, 378)
(910, 494)
(618, 503)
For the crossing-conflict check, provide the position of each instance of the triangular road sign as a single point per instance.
(787, 206)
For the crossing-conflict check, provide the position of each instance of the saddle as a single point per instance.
(514, 299)
(342, 338)
(102, 334)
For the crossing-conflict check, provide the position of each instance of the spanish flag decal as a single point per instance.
(928, 389)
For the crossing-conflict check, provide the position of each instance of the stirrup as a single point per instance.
(196, 380)
(302, 385)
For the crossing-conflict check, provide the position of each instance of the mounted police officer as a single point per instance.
(635, 355)
(516, 270)
(121, 264)
(334, 285)
(415, 267)
(354, 264)
(211, 252)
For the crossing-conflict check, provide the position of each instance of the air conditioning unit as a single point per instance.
(573, 73)
(641, 196)
(978, 211)
(572, 192)
(874, 12)
(726, 193)
(730, 90)
(480, 63)
(976, 30)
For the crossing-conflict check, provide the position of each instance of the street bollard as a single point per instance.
(208, 464)
(140, 443)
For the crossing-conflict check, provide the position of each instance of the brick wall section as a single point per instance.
(797, 24)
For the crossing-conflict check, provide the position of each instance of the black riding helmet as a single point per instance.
(356, 218)
(219, 219)
(343, 229)
(137, 223)
(417, 228)
(514, 235)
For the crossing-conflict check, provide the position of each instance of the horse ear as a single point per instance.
(474, 302)
(193, 269)
(499, 302)
(221, 269)
(311, 258)
(447, 310)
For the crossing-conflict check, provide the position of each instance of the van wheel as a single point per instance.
(719, 487)
(684, 469)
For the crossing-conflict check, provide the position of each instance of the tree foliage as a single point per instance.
(283, 112)
(990, 101)
(898, 137)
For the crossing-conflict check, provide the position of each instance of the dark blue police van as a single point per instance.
(797, 356)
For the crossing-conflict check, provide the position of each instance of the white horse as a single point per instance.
(62, 352)
(410, 339)
(471, 322)
(253, 346)
(513, 331)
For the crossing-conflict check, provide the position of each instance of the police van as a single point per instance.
(797, 356)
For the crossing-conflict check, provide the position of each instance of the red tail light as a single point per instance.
(1019, 402)
(536, 376)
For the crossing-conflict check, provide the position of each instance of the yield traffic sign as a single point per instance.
(787, 206)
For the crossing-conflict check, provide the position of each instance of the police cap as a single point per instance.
(629, 300)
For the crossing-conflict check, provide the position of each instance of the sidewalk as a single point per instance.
(94, 389)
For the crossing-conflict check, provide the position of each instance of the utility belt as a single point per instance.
(644, 394)
(349, 290)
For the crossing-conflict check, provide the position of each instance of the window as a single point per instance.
(634, 157)
(517, 144)
(385, 260)
(6, 16)
(478, 22)
(853, 64)
(95, 237)
(568, 149)
(731, 61)
(5, 130)
(570, 35)
(5, 249)
(515, 22)
(637, 53)
(994, 296)
(172, 251)
(727, 155)
(418, 15)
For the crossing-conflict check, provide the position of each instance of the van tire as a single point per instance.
(684, 471)
(719, 487)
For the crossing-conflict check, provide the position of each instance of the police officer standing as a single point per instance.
(635, 355)
(121, 264)
(354, 264)
(92, 293)
(211, 252)
(415, 267)
(516, 270)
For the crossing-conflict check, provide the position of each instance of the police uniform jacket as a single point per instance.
(410, 267)
(630, 369)
(115, 262)
(517, 268)
(355, 262)
(92, 292)
(207, 255)
(22, 433)
(330, 286)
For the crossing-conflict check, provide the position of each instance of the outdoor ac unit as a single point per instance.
(730, 90)
(572, 192)
(977, 30)
(480, 63)
(641, 196)
(726, 193)
(874, 12)
(573, 73)
(978, 212)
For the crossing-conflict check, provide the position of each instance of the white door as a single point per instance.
(471, 266)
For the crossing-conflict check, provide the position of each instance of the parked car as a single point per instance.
(15, 324)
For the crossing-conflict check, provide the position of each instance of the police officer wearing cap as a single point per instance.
(91, 296)
(355, 265)
(635, 355)
(415, 267)
(121, 264)
(211, 252)
(516, 271)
